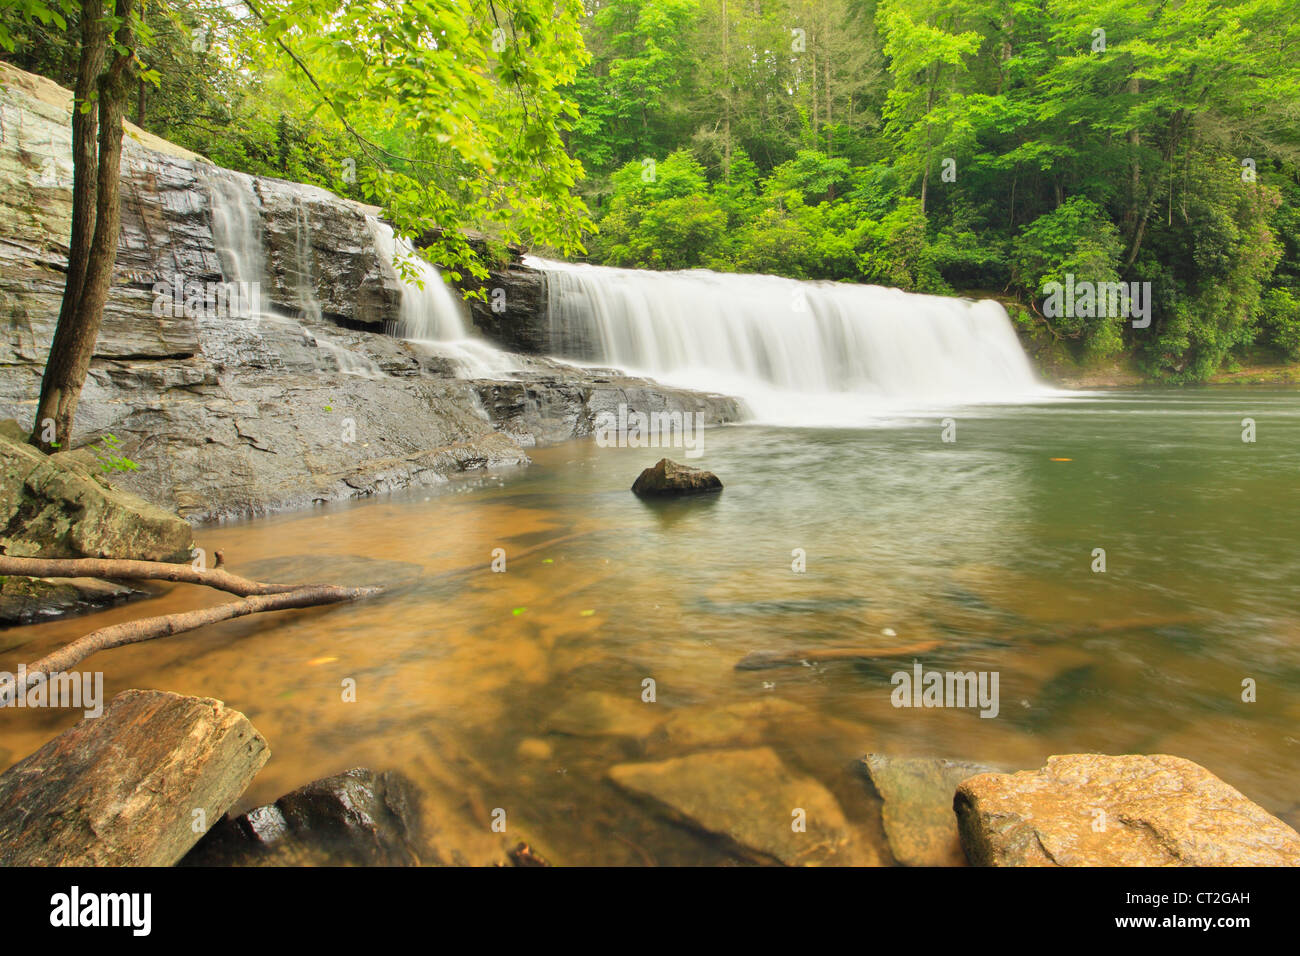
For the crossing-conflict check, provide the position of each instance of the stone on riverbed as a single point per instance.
(667, 478)
(917, 794)
(1131, 810)
(741, 724)
(123, 789)
(599, 714)
(358, 818)
(747, 798)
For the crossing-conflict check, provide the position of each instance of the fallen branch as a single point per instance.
(141, 570)
(151, 628)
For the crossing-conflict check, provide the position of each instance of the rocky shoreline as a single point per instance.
(192, 758)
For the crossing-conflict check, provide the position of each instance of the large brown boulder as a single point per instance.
(667, 478)
(1132, 810)
(137, 786)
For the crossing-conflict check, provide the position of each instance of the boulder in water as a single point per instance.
(358, 818)
(748, 800)
(1131, 810)
(667, 478)
(122, 789)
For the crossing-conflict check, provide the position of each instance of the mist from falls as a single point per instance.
(797, 352)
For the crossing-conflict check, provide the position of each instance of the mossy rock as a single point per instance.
(53, 506)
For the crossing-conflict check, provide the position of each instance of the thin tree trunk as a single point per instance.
(85, 171)
(78, 329)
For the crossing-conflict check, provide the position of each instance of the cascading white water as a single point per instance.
(430, 312)
(820, 353)
(237, 236)
(236, 226)
(304, 280)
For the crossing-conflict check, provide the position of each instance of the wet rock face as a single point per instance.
(1133, 810)
(512, 312)
(228, 417)
(669, 479)
(315, 239)
(357, 818)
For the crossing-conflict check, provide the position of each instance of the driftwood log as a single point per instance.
(139, 570)
(124, 789)
(257, 597)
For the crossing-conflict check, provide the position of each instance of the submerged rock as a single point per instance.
(1131, 810)
(742, 724)
(748, 799)
(359, 818)
(669, 478)
(917, 793)
(600, 714)
(30, 600)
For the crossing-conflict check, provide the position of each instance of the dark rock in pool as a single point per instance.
(667, 479)
(358, 818)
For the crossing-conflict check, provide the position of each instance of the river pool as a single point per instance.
(520, 690)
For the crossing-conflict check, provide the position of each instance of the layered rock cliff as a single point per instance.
(307, 401)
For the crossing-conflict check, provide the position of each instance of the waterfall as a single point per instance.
(817, 353)
(236, 226)
(304, 282)
(237, 231)
(431, 314)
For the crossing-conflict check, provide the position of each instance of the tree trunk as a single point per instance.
(165, 625)
(85, 170)
(90, 260)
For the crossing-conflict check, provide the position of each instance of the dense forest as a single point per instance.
(981, 147)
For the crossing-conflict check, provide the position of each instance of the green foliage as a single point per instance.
(1280, 319)
(933, 145)
(106, 453)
